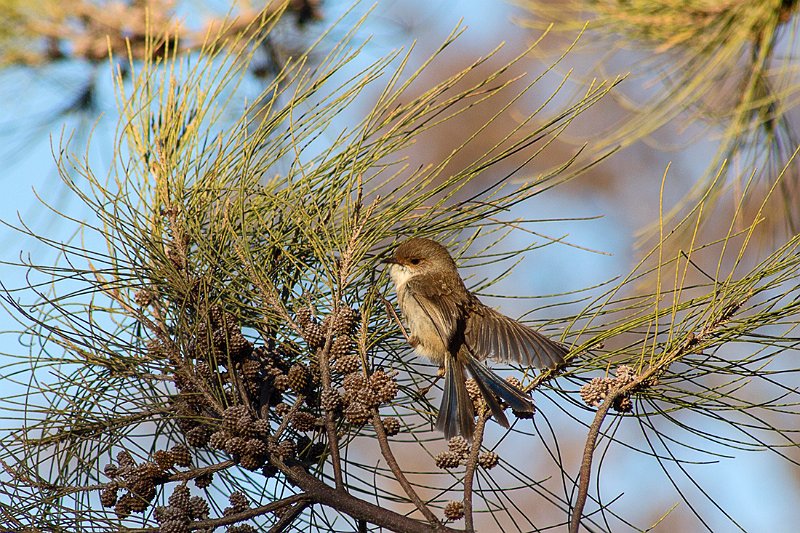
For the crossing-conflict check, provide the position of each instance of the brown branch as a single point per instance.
(299, 499)
(330, 423)
(288, 517)
(690, 344)
(345, 503)
(94, 428)
(60, 490)
(186, 475)
(588, 455)
(288, 417)
(396, 318)
(399, 476)
(472, 463)
(271, 297)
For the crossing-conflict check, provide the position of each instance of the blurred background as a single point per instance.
(700, 112)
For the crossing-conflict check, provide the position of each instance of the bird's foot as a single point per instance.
(424, 390)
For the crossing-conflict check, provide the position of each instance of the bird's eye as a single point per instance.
(415, 261)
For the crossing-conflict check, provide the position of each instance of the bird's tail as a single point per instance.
(491, 386)
(456, 416)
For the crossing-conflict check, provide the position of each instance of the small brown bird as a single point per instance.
(450, 326)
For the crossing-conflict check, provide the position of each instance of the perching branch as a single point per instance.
(472, 464)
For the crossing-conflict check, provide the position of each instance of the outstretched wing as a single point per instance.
(492, 335)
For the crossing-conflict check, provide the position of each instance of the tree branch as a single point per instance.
(399, 476)
(472, 463)
(588, 454)
(330, 423)
(690, 344)
(300, 499)
(319, 492)
(289, 517)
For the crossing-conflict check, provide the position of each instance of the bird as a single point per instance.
(450, 326)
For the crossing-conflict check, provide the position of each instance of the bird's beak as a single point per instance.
(390, 261)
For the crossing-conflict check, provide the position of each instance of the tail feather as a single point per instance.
(490, 382)
(491, 400)
(456, 416)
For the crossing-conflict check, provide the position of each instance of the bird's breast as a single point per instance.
(421, 328)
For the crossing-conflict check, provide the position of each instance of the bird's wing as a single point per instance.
(490, 334)
(442, 303)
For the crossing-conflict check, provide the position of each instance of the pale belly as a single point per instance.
(425, 337)
(421, 329)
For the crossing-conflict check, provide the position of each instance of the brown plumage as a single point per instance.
(453, 328)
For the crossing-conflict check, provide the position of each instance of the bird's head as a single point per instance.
(419, 256)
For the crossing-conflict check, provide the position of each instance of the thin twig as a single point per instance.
(397, 320)
(199, 471)
(399, 476)
(288, 517)
(472, 463)
(160, 329)
(288, 417)
(300, 499)
(330, 423)
(60, 491)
